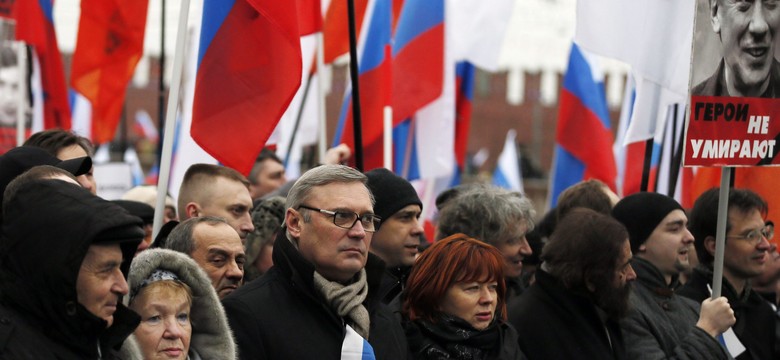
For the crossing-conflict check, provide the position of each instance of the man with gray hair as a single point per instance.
(215, 247)
(323, 280)
(496, 216)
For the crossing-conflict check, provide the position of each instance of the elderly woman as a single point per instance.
(454, 303)
(181, 317)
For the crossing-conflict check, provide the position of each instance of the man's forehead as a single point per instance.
(218, 232)
(103, 252)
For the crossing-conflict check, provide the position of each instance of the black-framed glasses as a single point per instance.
(348, 219)
(754, 237)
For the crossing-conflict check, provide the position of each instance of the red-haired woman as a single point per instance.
(454, 303)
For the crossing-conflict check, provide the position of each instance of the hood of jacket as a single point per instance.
(47, 230)
(211, 335)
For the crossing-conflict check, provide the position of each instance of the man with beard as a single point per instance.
(662, 324)
(580, 293)
(745, 256)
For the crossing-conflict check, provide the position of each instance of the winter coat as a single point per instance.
(211, 336)
(554, 322)
(281, 316)
(755, 326)
(453, 338)
(662, 324)
(47, 231)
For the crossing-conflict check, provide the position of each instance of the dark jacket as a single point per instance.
(281, 316)
(662, 324)
(715, 85)
(393, 283)
(555, 323)
(46, 234)
(755, 326)
(453, 338)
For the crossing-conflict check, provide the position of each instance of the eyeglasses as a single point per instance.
(755, 236)
(348, 219)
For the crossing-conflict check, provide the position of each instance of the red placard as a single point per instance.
(732, 131)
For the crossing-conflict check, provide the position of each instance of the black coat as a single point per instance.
(281, 316)
(755, 326)
(555, 323)
(46, 235)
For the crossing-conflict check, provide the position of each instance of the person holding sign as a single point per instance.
(746, 30)
(745, 257)
(661, 323)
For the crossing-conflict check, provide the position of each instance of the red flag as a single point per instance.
(110, 44)
(759, 179)
(249, 70)
(335, 29)
(309, 16)
(34, 25)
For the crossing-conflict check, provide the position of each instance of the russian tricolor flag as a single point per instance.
(584, 139)
(249, 69)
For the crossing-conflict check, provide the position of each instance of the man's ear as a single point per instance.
(709, 245)
(192, 210)
(293, 220)
(714, 16)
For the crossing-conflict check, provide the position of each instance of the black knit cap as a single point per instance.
(641, 213)
(391, 192)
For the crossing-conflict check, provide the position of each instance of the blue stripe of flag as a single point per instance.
(214, 14)
(417, 17)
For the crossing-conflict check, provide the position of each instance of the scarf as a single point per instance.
(453, 338)
(347, 300)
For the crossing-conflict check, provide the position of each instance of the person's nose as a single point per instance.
(120, 285)
(234, 272)
(687, 237)
(630, 274)
(357, 230)
(246, 223)
(84, 182)
(763, 244)
(758, 24)
(417, 229)
(525, 247)
(173, 329)
(486, 295)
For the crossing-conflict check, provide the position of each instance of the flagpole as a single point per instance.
(298, 118)
(21, 121)
(161, 86)
(321, 96)
(720, 234)
(173, 100)
(646, 165)
(387, 144)
(353, 72)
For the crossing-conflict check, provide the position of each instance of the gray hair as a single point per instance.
(487, 213)
(321, 176)
(180, 239)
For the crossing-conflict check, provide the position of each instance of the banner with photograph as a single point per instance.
(734, 85)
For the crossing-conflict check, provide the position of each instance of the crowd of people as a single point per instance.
(336, 265)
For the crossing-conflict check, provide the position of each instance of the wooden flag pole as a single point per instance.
(353, 73)
(720, 234)
(173, 101)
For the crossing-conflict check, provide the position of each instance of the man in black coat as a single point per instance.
(745, 255)
(580, 293)
(64, 255)
(319, 300)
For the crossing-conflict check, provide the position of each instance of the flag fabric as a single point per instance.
(35, 26)
(249, 68)
(355, 347)
(636, 33)
(131, 158)
(110, 44)
(464, 83)
(629, 158)
(374, 66)
(757, 179)
(479, 30)
(309, 16)
(507, 174)
(145, 127)
(335, 28)
(418, 57)
(583, 137)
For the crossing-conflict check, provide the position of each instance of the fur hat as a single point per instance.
(391, 192)
(641, 213)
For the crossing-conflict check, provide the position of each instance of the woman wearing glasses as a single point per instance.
(454, 305)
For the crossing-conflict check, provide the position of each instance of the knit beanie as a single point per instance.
(391, 192)
(641, 213)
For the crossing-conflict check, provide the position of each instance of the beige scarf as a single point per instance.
(347, 300)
